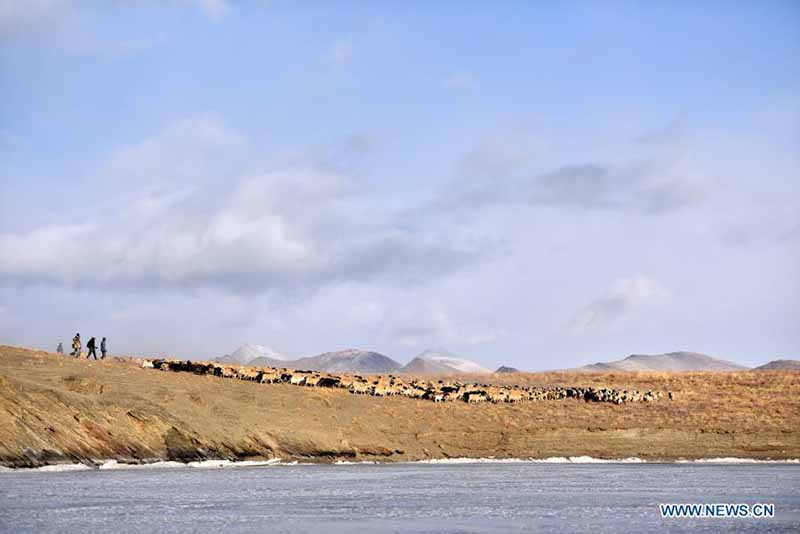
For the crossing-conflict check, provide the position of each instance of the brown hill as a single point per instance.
(780, 365)
(671, 361)
(348, 360)
(58, 409)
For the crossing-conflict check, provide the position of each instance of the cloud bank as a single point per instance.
(626, 297)
(194, 220)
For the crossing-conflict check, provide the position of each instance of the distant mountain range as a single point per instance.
(249, 353)
(434, 362)
(671, 361)
(441, 362)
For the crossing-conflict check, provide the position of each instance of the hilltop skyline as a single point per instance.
(587, 183)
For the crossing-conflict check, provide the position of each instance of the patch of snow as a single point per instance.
(737, 461)
(228, 463)
(217, 464)
(592, 460)
(114, 465)
(58, 468)
(473, 461)
(551, 460)
(257, 463)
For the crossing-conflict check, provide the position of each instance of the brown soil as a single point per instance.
(57, 409)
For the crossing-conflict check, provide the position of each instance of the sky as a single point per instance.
(535, 184)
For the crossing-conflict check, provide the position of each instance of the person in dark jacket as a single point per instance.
(103, 349)
(60, 348)
(91, 347)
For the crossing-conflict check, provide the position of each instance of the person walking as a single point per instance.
(91, 347)
(60, 348)
(103, 349)
(76, 345)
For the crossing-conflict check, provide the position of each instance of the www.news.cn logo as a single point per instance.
(741, 510)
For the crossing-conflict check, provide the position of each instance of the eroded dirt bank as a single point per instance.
(57, 409)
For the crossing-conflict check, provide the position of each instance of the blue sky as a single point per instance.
(533, 184)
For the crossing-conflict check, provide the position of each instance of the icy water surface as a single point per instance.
(330, 499)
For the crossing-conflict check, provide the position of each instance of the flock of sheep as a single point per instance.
(388, 385)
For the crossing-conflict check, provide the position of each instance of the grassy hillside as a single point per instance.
(55, 408)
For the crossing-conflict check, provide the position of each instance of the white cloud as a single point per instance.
(508, 169)
(500, 155)
(195, 222)
(625, 298)
(189, 150)
(428, 324)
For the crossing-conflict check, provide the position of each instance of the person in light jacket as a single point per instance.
(76, 345)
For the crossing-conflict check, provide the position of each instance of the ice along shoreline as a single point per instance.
(110, 465)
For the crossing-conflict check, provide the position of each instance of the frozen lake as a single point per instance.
(471, 497)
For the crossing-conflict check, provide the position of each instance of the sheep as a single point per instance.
(388, 385)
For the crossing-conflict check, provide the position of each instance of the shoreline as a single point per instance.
(114, 465)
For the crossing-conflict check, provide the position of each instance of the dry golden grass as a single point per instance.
(55, 408)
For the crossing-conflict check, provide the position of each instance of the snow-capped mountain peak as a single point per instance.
(461, 365)
(249, 352)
